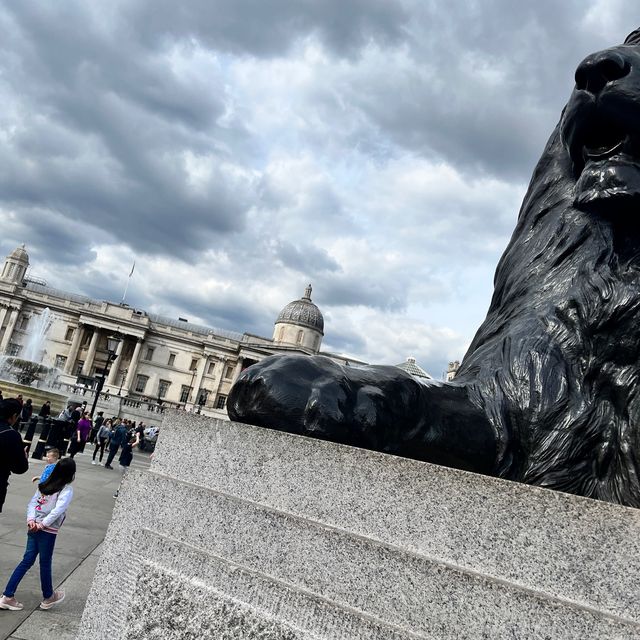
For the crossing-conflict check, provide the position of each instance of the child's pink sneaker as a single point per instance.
(10, 603)
(47, 603)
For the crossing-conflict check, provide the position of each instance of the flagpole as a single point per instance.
(124, 295)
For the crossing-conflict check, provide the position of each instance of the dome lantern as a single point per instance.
(15, 266)
(300, 323)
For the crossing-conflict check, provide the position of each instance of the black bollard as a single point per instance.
(31, 430)
(41, 444)
(66, 432)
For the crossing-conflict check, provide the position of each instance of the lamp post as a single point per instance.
(124, 375)
(112, 345)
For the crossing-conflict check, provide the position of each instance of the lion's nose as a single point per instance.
(600, 68)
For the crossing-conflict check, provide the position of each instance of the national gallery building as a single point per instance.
(158, 359)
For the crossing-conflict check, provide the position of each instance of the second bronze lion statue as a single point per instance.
(549, 390)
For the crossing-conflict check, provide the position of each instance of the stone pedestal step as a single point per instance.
(269, 535)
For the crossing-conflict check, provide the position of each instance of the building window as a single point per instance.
(316, 343)
(68, 334)
(299, 338)
(212, 368)
(149, 354)
(79, 366)
(221, 402)
(61, 361)
(86, 338)
(14, 349)
(141, 383)
(172, 359)
(24, 323)
(228, 372)
(163, 387)
(203, 397)
(185, 392)
(194, 364)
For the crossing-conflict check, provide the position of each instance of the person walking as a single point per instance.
(80, 435)
(13, 456)
(45, 514)
(126, 458)
(102, 437)
(118, 438)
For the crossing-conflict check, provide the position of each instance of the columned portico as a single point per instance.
(13, 318)
(133, 365)
(69, 366)
(238, 370)
(91, 353)
(3, 315)
(198, 381)
(115, 367)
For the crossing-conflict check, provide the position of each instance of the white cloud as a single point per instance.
(239, 150)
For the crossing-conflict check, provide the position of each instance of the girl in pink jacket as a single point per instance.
(45, 514)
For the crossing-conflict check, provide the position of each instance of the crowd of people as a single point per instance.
(47, 508)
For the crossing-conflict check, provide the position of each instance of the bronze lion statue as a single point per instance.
(549, 390)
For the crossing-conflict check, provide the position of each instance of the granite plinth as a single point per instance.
(269, 535)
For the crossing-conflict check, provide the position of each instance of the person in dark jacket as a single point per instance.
(13, 457)
(119, 438)
(27, 411)
(45, 409)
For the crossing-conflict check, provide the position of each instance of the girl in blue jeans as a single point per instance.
(45, 514)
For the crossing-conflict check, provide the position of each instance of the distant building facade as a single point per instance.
(452, 370)
(158, 358)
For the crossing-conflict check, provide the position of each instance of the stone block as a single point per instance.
(268, 535)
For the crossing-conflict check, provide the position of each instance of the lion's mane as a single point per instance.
(555, 363)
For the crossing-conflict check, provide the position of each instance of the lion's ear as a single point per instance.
(633, 37)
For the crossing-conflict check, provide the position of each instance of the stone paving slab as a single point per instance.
(76, 555)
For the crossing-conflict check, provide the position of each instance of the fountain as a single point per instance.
(34, 349)
(29, 368)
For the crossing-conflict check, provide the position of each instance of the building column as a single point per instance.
(112, 379)
(133, 365)
(13, 318)
(195, 391)
(91, 353)
(237, 371)
(69, 366)
(3, 315)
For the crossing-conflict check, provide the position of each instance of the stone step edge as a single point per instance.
(306, 593)
(544, 595)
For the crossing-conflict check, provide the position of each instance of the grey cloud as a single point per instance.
(127, 120)
(305, 259)
(339, 340)
(230, 312)
(270, 28)
(101, 104)
(50, 238)
(364, 289)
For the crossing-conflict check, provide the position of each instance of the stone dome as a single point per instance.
(20, 254)
(303, 312)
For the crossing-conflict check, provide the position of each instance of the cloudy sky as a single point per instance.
(240, 149)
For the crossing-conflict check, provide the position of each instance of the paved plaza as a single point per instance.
(76, 554)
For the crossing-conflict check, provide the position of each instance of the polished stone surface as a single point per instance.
(278, 536)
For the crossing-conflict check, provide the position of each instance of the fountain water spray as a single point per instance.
(34, 349)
